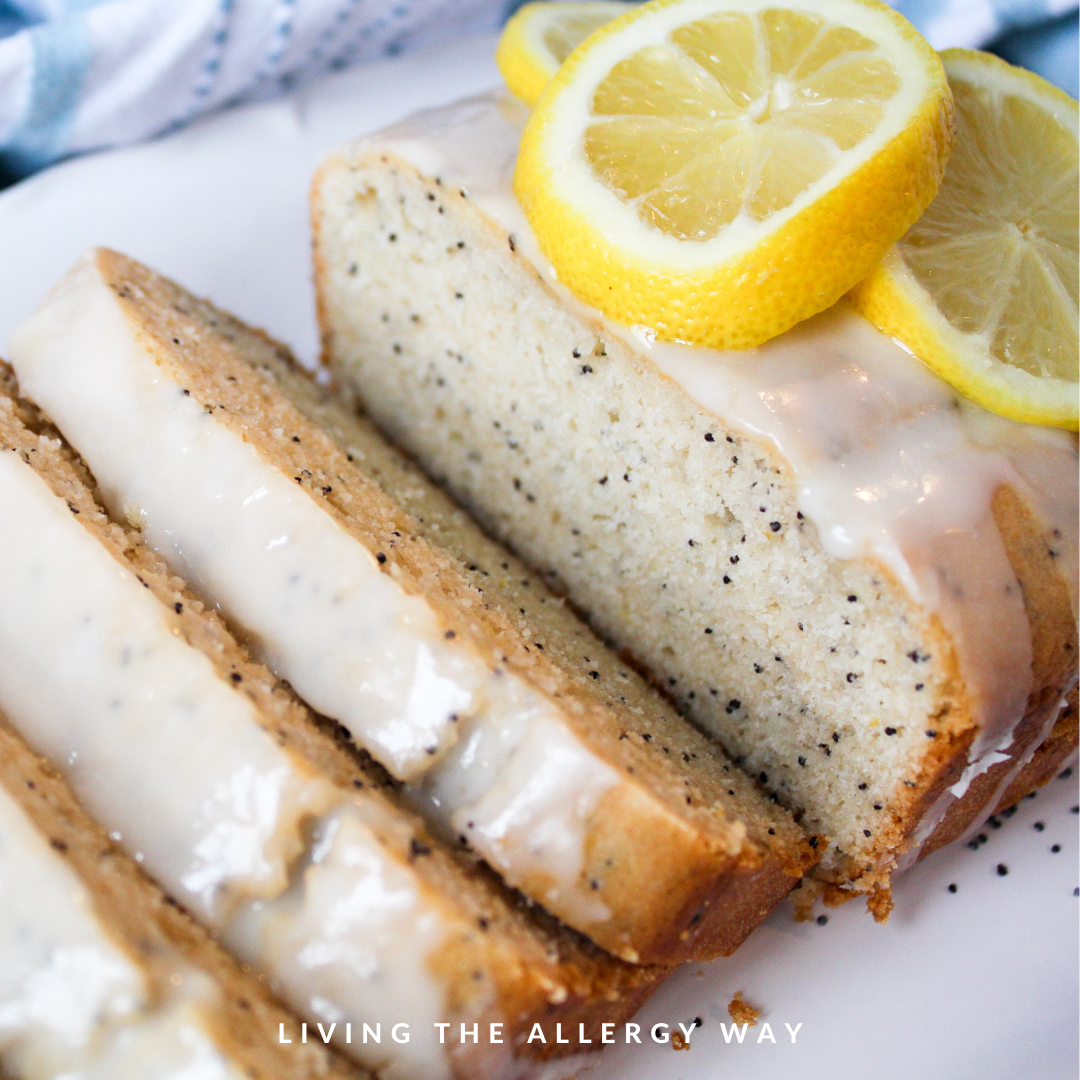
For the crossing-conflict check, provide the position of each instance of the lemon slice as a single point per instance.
(984, 286)
(718, 170)
(537, 40)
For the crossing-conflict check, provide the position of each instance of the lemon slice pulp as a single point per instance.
(540, 36)
(984, 286)
(717, 170)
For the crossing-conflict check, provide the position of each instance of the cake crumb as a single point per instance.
(742, 1012)
(880, 903)
(803, 897)
(679, 1041)
(834, 896)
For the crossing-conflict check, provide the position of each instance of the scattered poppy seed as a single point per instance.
(1002, 869)
(822, 920)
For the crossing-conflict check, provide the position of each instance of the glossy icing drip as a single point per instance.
(314, 601)
(175, 762)
(890, 463)
(72, 1001)
(227, 823)
(354, 939)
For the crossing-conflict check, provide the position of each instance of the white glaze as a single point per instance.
(351, 943)
(521, 788)
(318, 610)
(72, 1002)
(890, 464)
(192, 786)
(174, 1043)
(61, 977)
(96, 677)
(313, 599)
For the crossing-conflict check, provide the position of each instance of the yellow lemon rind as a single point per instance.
(524, 70)
(1038, 88)
(893, 300)
(801, 268)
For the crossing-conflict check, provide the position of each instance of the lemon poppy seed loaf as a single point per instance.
(260, 819)
(513, 729)
(864, 588)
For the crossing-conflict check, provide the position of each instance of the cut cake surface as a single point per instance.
(681, 534)
(680, 855)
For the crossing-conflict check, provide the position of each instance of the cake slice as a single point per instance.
(863, 587)
(258, 817)
(512, 726)
(101, 977)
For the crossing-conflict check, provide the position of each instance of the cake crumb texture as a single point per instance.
(742, 1012)
(678, 535)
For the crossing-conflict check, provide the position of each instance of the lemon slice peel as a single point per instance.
(984, 288)
(752, 279)
(540, 36)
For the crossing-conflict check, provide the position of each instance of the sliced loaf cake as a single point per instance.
(512, 726)
(101, 976)
(260, 819)
(862, 586)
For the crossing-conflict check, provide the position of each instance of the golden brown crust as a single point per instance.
(153, 929)
(1042, 735)
(1048, 760)
(681, 828)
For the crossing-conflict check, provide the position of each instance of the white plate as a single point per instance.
(977, 984)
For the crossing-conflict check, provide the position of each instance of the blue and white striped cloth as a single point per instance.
(79, 75)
